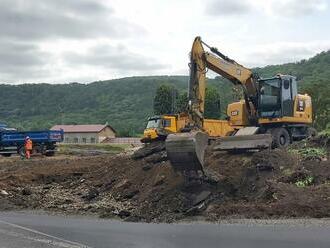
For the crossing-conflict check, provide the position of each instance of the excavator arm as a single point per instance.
(200, 62)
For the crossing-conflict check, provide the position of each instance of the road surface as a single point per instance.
(40, 230)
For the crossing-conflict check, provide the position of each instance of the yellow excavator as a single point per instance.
(272, 113)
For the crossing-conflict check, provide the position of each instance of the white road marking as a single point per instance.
(61, 242)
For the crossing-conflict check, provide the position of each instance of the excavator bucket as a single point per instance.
(186, 150)
(243, 142)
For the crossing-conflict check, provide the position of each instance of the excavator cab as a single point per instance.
(276, 96)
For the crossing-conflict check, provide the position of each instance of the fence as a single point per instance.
(123, 140)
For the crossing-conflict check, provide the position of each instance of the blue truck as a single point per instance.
(44, 142)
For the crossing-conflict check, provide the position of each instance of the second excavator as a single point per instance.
(271, 113)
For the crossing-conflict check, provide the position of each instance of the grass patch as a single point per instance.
(325, 133)
(310, 153)
(306, 182)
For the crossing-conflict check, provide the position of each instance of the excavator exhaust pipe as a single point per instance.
(186, 150)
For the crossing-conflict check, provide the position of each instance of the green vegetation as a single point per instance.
(165, 99)
(212, 103)
(306, 182)
(168, 100)
(310, 153)
(127, 103)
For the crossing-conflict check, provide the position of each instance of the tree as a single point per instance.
(182, 103)
(212, 103)
(319, 91)
(165, 99)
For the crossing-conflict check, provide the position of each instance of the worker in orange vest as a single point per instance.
(28, 147)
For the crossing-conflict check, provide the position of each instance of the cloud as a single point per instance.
(283, 8)
(49, 19)
(294, 8)
(116, 58)
(285, 52)
(225, 7)
(21, 60)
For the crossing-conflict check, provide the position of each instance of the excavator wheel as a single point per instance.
(281, 138)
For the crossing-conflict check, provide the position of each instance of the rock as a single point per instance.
(68, 201)
(149, 149)
(211, 177)
(91, 194)
(159, 180)
(196, 209)
(202, 196)
(124, 213)
(157, 158)
(108, 185)
(147, 167)
(124, 184)
(130, 194)
(265, 166)
(3, 192)
(26, 191)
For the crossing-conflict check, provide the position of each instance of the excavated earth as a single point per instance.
(266, 184)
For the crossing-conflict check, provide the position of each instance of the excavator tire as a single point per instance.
(281, 138)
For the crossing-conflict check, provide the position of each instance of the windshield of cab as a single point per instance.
(270, 87)
(153, 123)
(270, 98)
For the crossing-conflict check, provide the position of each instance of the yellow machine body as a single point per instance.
(168, 124)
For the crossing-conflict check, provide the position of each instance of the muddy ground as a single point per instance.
(267, 184)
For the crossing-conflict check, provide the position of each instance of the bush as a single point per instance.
(311, 153)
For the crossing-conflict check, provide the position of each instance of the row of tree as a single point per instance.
(168, 100)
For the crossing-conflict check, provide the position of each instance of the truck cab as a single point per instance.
(158, 127)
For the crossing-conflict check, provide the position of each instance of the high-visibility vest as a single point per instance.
(28, 144)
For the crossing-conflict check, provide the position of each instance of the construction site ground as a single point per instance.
(289, 183)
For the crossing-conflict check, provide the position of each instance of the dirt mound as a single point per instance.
(265, 184)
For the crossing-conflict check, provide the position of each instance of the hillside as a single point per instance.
(126, 103)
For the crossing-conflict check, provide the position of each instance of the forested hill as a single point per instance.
(126, 103)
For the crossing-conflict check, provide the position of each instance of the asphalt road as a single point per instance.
(35, 230)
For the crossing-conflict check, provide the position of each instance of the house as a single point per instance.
(86, 133)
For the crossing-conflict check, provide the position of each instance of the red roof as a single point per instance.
(96, 128)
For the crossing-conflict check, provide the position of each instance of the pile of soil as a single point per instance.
(266, 184)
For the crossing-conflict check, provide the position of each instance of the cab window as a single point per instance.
(166, 123)
(154, 123)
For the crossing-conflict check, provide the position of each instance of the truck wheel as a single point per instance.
(281, 138)
(21, 151)
(50, 154)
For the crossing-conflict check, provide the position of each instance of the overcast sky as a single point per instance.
(61, 41)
